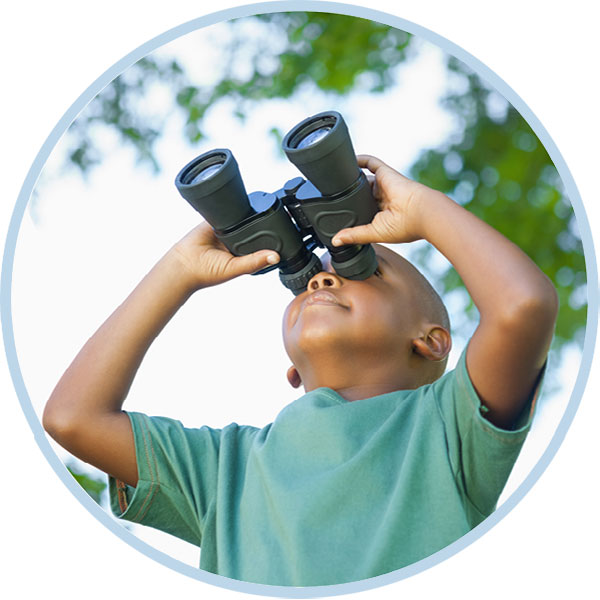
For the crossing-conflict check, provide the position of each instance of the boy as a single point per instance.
(383, 461)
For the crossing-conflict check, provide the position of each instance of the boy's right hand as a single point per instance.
(207, 262)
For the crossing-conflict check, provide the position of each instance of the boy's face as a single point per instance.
(377, 315)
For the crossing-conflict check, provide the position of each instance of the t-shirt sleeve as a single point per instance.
(177, 477)
(482, 455)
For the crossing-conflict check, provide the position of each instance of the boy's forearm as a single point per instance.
(517, 303)
(84, 412)
(98, 379)
(501, 279)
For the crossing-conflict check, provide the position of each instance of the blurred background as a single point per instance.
(105, 209)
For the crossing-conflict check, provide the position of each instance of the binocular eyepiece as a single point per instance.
(301, 216)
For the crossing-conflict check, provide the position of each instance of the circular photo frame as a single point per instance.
(501, 90)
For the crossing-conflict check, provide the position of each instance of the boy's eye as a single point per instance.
(378, 273)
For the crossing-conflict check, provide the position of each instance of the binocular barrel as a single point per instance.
(212, 184)
(321, 149)
(298, 217)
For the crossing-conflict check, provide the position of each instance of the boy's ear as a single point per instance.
(294, 377)
(434, 345)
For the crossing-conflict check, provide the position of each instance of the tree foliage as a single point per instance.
(493, 164)
(500, 171)
(293, 53)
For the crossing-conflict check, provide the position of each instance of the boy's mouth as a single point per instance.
(323, 297)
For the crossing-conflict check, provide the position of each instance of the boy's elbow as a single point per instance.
(537, 304)
(546, 301)
(58, 421)
(55, 422)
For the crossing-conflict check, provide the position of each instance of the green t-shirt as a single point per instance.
(331, 491)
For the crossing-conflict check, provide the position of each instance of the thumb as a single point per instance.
(250, 263)
(362, 234)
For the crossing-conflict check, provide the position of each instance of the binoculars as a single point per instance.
(301, 216)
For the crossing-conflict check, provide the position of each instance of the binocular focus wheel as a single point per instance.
(297, 282)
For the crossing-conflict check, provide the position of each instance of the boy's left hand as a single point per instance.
(399, 198)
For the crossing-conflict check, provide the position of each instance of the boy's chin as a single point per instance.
(317, 345)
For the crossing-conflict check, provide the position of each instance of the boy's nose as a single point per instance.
(324, 280)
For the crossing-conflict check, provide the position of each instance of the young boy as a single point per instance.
(383, 461)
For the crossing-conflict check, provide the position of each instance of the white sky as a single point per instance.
(85, 246)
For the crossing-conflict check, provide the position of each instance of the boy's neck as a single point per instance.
(363, 391)
(365, 373)
(373, 381)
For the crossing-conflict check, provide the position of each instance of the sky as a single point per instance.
(85, 225)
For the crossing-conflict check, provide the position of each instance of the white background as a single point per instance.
(546, 545)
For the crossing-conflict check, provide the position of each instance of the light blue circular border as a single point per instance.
(105, 79)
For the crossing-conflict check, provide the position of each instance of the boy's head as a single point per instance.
(389, 331)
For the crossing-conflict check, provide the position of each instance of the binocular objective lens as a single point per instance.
(313, 137)
(205, 173)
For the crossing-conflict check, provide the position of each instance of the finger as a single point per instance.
(366, 161)
(363, 234)
(250, 263)
(374, 187)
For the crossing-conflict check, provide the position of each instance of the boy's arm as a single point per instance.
(517, 303)
(84, 412)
